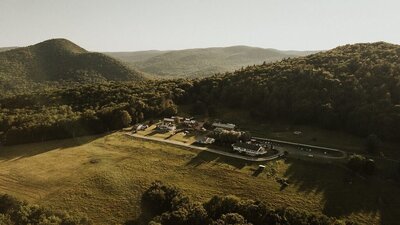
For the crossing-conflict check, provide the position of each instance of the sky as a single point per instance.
(133, 25)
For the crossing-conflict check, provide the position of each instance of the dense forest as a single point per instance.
(54, 112)
(167, 205)
(355, 88)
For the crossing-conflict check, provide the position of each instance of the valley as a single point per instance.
(62, 110)
(192, 112)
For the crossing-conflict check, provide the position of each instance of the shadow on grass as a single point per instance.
(153, 132)
(283, 187)
(16, 152)
(257, 172)
(205, 157)
(345, 193)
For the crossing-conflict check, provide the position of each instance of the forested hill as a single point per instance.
(352, 87)
(200, 62)
(355, 88)
(60, 59)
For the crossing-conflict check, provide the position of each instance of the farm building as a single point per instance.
(166, 127)
(141, 127)
(169, 120)
(189, 122)
(180, 120)
(249, 149)
(225, 126)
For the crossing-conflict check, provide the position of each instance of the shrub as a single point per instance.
(160, 198)
(360, 164)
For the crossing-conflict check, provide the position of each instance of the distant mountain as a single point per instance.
(201, 62)
(3, 49)
(133, 57)
(60, 59)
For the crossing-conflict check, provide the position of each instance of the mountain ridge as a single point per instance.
(201, 62)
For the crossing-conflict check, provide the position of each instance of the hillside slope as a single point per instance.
(60, 59)
(201, 62)
(353, 87)
(3, 49)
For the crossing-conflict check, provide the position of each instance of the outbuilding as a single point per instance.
(225, 126)
(249, 149)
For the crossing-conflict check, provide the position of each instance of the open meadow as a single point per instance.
(105, 176)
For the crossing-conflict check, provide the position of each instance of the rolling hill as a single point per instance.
(60, 59)
(200, 62)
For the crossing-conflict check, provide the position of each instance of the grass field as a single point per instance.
(104, 177)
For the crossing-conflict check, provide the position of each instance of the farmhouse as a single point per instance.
(166, 127)
(225, 126)
(249, 149)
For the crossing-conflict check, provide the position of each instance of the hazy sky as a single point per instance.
(123, 25)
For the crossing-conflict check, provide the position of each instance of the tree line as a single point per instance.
(167, 205)
(82, 109)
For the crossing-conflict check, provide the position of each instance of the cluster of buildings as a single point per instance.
(171, 124)
(249, 148)
(168, 124)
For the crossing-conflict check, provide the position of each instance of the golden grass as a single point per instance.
(104, 177)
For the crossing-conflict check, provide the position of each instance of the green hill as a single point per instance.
(353, 87)
(60, 59)
(200, 62)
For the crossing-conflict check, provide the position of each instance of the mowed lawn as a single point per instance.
(105, 176)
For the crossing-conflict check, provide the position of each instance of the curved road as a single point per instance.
(281, 146)
(219, 152)
(309, 151)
